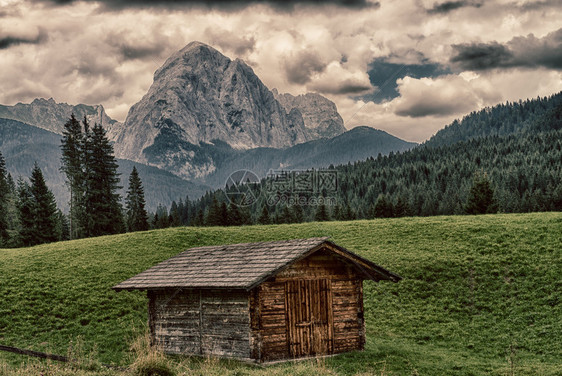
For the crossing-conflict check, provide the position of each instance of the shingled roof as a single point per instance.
(241, 266)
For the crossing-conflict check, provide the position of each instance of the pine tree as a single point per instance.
(174, 216)
(264, 218)
(161, 218)
(286, 215)
(297, 213)
(214, 215)
(26, 214)
(72, 167)
(44, 209)
(383, 207)
(321, 214)
(234, 216)
(63, 227)
(481, 196)
(103, 205)
(137, 217)
(4, 193)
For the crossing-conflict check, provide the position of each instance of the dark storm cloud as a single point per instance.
(384, 75)
(300, 68)
(536, 5)
(223, 4)
(525, 52)
(449, 6)
(139, 52)
(345, 87)
(480, 56)
(431, 108)
(7, 41)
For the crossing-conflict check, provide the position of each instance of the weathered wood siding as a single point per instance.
(204, 322)
(269, 315)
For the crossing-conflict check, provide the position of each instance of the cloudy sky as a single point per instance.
(408, 67)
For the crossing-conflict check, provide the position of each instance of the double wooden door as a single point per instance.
(310, 328)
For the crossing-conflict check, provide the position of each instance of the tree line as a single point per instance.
(497, 165)
(28, 211)
(494, 166)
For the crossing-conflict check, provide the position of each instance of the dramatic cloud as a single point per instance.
(392, 65)
(527, 52)
(449, 6)
(300, 68)
(385, 75)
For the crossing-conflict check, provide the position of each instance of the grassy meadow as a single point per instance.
(480, 295)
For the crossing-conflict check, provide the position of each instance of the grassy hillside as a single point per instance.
(480, 295)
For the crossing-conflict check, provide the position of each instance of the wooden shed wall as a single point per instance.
(204, 322)
(269, 312)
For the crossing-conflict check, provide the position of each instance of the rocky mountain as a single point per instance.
(320, 114)
(50, 115)
(199, 96)
(22, 145)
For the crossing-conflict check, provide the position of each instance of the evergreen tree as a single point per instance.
(214, 215)
(383, 207)
(161, 218)
(155, 220)
(286, 215)
(102, 184)
(481, 196)
(137, 217)
(234, 215)
(401, 209)
(63, 227)
(338, 215)
(4, 194)
(174, 216)
(321, 213)
(26, 214)
(264, 218)
(224, 214)
(44, 209)
(72, 167)
(297, 213)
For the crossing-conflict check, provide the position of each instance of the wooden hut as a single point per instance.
(259, 301)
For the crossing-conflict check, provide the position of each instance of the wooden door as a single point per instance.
(310, 325)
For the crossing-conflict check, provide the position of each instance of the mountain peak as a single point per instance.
(196, 45)
(198, 96)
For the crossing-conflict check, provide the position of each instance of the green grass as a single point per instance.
(480, 294)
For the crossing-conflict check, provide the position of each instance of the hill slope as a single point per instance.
(479, 293)
(501, 120)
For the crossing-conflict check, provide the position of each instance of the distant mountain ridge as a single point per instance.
(50, 115)
(354, 145)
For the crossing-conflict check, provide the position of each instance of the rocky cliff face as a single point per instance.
(50, 115)
(320, 115)
(201, 96)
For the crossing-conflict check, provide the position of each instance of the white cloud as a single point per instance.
(90, 55)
